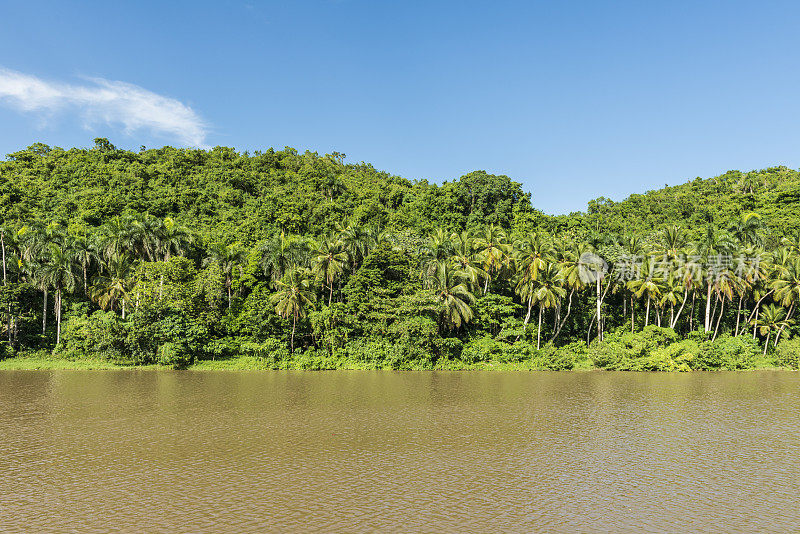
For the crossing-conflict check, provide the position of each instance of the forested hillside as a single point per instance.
(300, 260)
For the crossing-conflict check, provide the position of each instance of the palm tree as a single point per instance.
(711, 250)
(747, 230)
(673, 242)
(673, 293)
(450, 287)
(112, 286)
(355, 240)
(60, 275)
(772, 319)
(546, 291)
(465, 258)
(3, 247)
(119, 236)
(574, 272)
(533, 254)
(493, 250)
(328, 262)
(787, 288)
(294, 296)
(84, 254)
(648, 283)
(279, 254)
(172, 239)
(228, 258)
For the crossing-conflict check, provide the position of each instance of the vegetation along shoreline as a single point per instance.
(216, 259)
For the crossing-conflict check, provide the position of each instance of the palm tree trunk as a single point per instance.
(647, 315)
(294, 325)
(671, 314)
(691, 312)
(123, 309)
(10, 319)
(228, 284)
(788, 316)
(716, 328)
(714, 311)
(3, 245)
(330, 295)
(539, 331)
(528, 315)
(85, 281)
(708, 308)
(766, 344)
(755, 323)
(161, 283)
(599, 302)
(564, 320)
(633, 314)
(675, 321)
(58, 315)
(738, 315)
(44, 313)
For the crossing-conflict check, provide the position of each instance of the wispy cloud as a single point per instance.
(105, 101)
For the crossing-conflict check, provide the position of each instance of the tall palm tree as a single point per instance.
(494, 251)
(711, 249)
(294, 296)
(574, 272)
(229, 258)
(355, 241)
(747, 230)
(673, 293)
(787, 288)
(649, 283)
(533, 254)
(328, 262)
(111, 286)
(772, 319)
(60, 275)
(450, 288)
(84, 254)
(546, 291)
(465, 258)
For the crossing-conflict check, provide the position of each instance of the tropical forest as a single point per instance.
(192, 258)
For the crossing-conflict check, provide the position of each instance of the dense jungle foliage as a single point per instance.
(289, 260)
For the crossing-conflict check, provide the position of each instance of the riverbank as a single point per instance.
(249, 363)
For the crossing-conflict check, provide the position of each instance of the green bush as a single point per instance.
(271, 352)
(787, 354)
(728, 353)
(99, 334)
(625, 351)
(557, 358)
(175, 355)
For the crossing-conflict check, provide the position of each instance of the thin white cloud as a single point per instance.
(105, 101)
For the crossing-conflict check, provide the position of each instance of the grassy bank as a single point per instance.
(250, 363)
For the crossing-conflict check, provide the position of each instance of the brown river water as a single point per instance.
(161, 451)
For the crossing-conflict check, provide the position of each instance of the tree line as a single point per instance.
(286, 256)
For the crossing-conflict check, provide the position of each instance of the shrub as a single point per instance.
(728, 352)
(101, 333)
(175, 355)
(271, 352)
(787, 353)
(557, 359)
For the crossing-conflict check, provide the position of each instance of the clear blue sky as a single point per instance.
(574, 99)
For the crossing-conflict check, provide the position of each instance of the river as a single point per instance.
(161, 451)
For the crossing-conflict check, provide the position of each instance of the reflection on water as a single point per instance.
(157, 451)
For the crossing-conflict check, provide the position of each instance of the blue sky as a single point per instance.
(576, 100)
